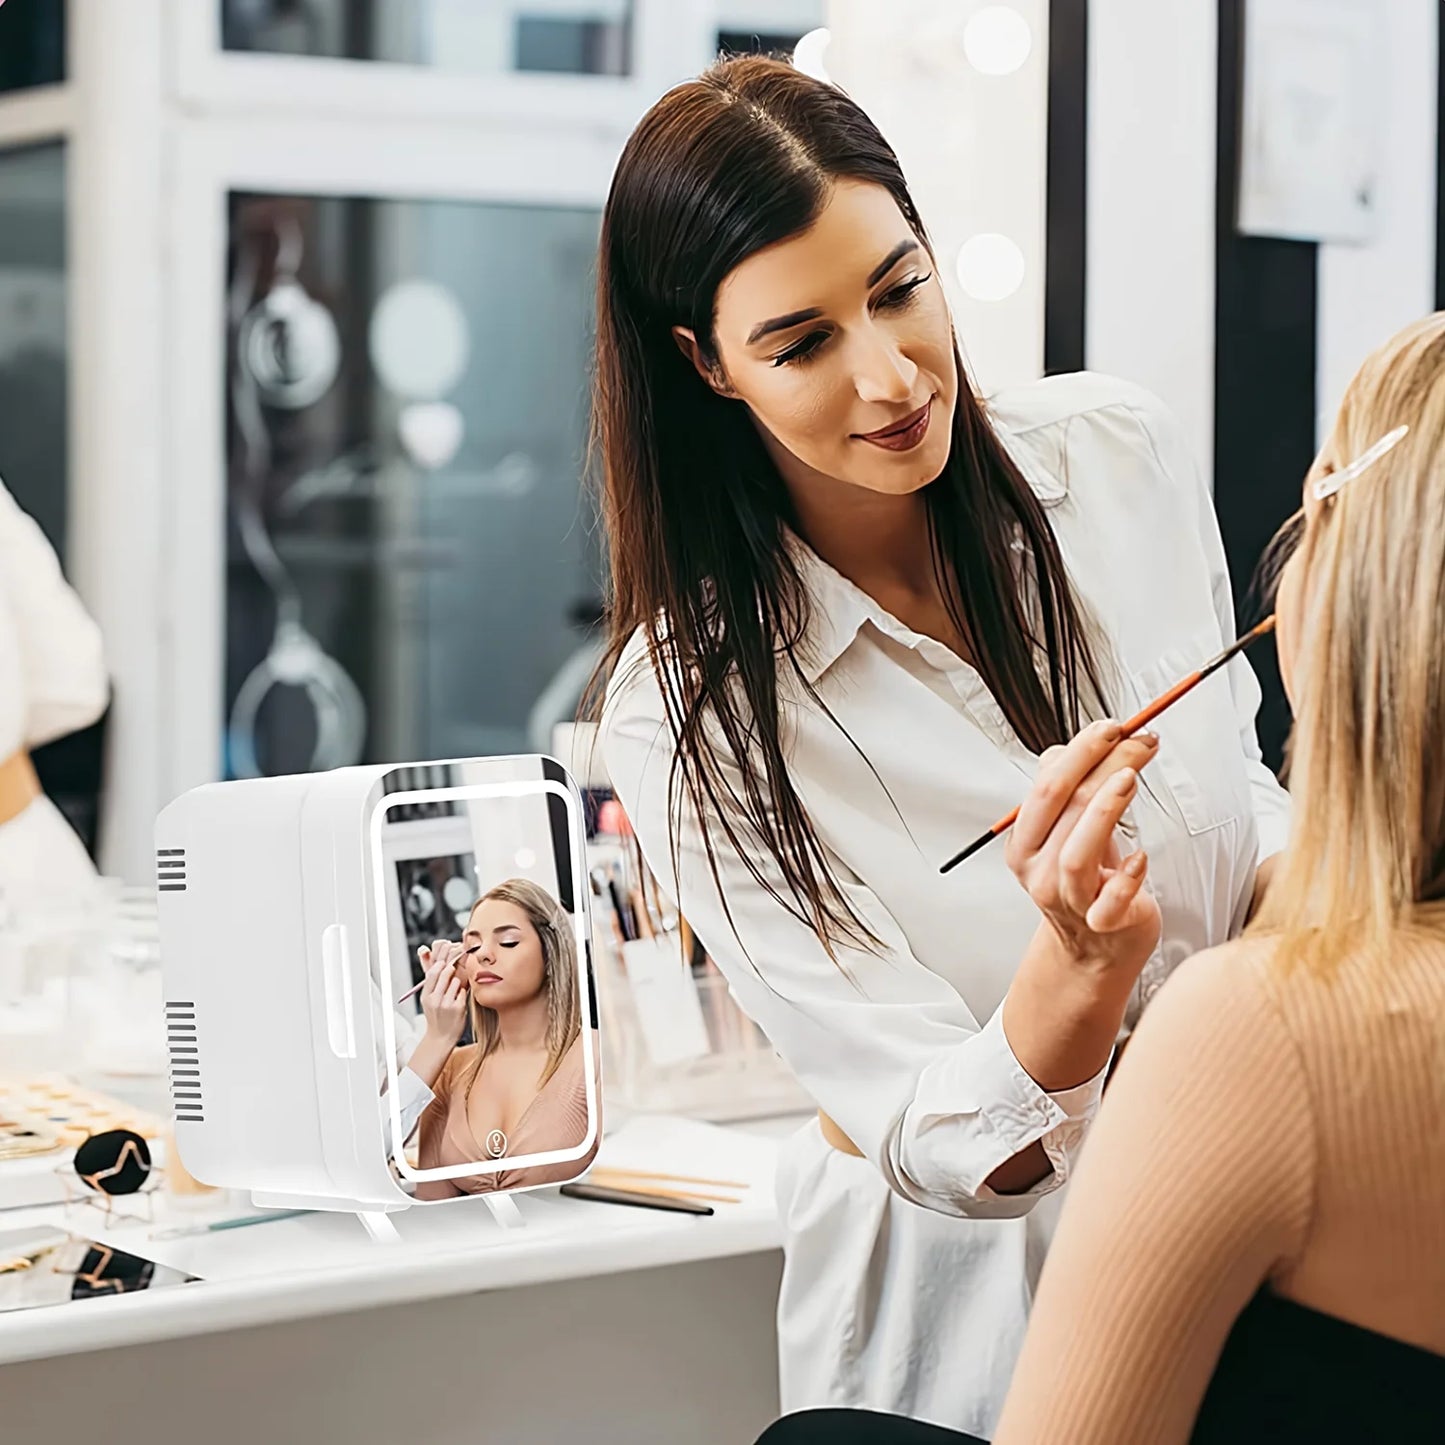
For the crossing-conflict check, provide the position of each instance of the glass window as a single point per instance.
(766, 27)
(414, 563)
(32, 333)
(575, 37)
(32, 43)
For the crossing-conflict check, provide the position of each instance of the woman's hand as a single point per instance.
(1100, 924)
(1064, 851)
(444, 994)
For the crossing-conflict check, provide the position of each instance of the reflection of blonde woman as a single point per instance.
(1264, 1193)
(520, 1088)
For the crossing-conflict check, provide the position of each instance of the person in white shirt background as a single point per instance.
(53, 681)
(858, 613)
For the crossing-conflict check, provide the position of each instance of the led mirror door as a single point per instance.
(489, 1067)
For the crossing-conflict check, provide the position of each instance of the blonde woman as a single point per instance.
(520, 1088)
(1254, 1246)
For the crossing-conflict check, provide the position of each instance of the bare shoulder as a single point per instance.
(457, 1064)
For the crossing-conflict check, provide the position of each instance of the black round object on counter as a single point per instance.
(115, 1162)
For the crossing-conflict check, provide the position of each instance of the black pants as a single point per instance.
(859, 1427)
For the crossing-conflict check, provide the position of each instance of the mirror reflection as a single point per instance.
(493, 1054)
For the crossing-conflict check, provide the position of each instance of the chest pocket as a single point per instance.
(1200, 768)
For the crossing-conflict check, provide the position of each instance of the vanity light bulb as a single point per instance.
(809, 51)
(997, 40)
(526, 858)
(990, 267)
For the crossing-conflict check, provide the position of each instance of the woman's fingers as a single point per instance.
(437, 969)
(1109, 912)
(1135, 752)
(1087, 848)
(1059, 774)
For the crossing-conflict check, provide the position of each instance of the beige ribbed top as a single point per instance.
(555, 1120)
(1263, 1126)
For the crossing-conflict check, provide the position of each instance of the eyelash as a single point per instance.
(894, 300)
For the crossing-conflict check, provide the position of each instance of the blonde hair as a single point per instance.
(1367, 756)
(559, 976)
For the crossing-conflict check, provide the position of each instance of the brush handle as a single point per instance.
(416, 988)
(1140, 719)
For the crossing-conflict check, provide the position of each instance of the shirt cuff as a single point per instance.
(411, 1091)
(974, 1108)
(1065, 1116)
(1079, 1106)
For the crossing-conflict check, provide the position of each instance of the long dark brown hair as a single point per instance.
(696, 513)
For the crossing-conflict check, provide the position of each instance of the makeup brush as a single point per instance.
(1142, 719)
(416, 988)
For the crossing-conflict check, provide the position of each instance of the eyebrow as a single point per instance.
(812, 313)
(781, 323)
(902, 249)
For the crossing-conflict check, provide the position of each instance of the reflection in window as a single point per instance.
(32, 333)
(414, 568)
(477, 37)
(32, 43)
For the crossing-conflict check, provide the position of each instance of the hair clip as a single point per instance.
(1326, 487)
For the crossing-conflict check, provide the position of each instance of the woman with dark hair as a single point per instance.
(858, 612)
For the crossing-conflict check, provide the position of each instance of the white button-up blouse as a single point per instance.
(52, 674)
(903, 1047)
(53, 681)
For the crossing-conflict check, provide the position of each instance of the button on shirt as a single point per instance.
(904, 1046)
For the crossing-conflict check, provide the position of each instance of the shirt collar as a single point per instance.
(837, 609)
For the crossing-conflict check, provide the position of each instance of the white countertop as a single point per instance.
(325, 1264)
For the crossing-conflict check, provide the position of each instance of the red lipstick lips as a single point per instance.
(904, 435)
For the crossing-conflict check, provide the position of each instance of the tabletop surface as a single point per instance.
(322, 1264)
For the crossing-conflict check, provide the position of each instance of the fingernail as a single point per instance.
(1110, 730)
(1150, 740)
(1124, 779)
(1134, 865)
